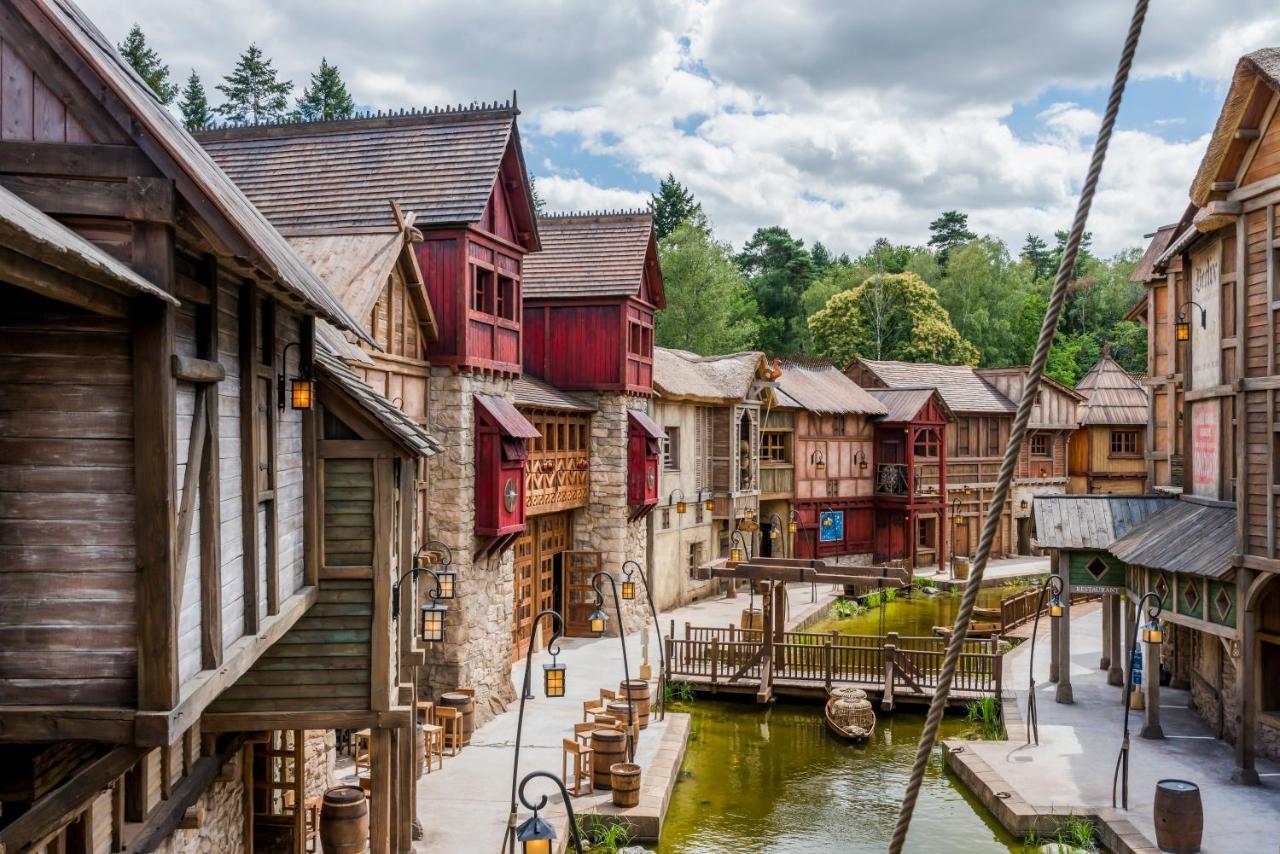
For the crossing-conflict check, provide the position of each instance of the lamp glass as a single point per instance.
(597, 621)
(553, 679)
(431, 627)
(535, 835)
(447, 581)
(1182, 330)
(773, 533)
(300, 396)
(820, 465)
(1152, 633)
(792, 527)
(862, 466)
(1055, 607)
(735, 554)
(710, 504)
(628, 590)
(681, 507)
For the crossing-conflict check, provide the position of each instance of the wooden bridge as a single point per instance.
(806, 664)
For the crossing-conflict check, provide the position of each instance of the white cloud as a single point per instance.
(574, 194)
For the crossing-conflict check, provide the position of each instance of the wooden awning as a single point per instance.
(1182, 537)
(507, 417)
(646, 424)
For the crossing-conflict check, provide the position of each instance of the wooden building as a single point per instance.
(911, 476)
(1107, 453)
(459, 176)
(832, 449)
(160, 496)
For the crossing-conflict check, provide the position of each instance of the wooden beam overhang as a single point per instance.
(392, 718)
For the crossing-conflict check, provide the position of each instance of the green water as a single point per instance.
(774, 779)
(910, 616)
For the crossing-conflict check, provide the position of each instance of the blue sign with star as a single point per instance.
(831, 528)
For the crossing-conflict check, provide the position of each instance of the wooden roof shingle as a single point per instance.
(902, 405)
(592, 255)
(1112, 396)
(1181, 537)
(398, 425)
(1089, 521)
(819, 386)
(528, 390)
(960, 385)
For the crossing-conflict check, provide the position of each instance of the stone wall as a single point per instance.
(319, 762)
(222, 831)
(476, 653)
(1208, 699)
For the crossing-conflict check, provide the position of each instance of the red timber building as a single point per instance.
(449, 333)
(590, 296)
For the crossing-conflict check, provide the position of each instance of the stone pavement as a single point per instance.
(1071, 769)
(998, 571)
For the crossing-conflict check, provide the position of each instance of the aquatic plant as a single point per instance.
(678, 692)
(601, 837)
(984, 713)
(843, 609)
(874, 600)
(921, 583)
(1076, 832)
(890, 594)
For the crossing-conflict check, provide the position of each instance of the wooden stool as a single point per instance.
(362, 751)
(433, 741)
(450, 720)
(425, 708)
(582, 732)
(592, 708)
(312, 824)
(366, 784)
(582, 759)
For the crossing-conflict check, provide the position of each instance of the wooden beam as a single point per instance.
(75, 160)
(191, 478)
(150, 200)
(58, 723)
(59, 808)
(210, 480)
(40, 278)
(249, 335)
(1247, 133)
(193, 370)
(1222, 186)
(380, 807)
(164, 820)
(70, 196)
(355, 719)
(382, 648)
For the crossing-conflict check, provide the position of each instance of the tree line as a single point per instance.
(252, 92)
(957, 298)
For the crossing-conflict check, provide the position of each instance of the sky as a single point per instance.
(841, 120)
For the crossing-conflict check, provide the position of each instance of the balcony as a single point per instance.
(557, 481)
(891, 479)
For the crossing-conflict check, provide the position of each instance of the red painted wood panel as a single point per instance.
(575, 346)
(442, 271)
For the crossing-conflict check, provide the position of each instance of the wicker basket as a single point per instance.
(850, 713)
(848, 692)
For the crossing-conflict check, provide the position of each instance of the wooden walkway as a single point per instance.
(892, 668)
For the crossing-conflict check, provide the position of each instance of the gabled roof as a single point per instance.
(818, 386)
(1145, 271)
(1019, 372)
(507, 417)
(1224, 149)
(1112, 396)
(1182, 537)
(399, 426)
(442, 164)
(902, 405)
(206, 187)
(1089, 521)
(679, 374)
(960, 386)
(528, 390)
(593, 255)
(27, 230)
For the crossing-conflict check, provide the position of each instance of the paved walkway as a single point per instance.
(997, 572)
(1073, 764)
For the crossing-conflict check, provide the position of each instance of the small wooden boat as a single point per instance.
(988, 614)
(850, 717)
(976, 630)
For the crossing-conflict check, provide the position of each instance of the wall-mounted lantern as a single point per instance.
(431, 618)
(861, 459)
(431, 623)
(1182, 329)
(818, 460)
(301, 391)
(709, 502)
(681, 505)
(793, 524)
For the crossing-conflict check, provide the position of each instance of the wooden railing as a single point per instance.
(1019, 608)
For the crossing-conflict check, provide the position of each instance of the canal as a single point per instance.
(773, 778)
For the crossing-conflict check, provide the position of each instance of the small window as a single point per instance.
(666, 518)
(1124, 443)
(925, 531)
(482, 291)
(671, 449)
(837, 425)
(833, 487)
(993, 437)
(506, 298)
(1039, 444)
(695, 558)
(773, 447)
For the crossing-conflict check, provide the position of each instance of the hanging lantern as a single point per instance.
(431, 628)
(1182, 330)
(535, 836)
(773, 533)
(792, 527)
(1044, 472)
(597, 621)
(750, 515)
(735, 554)
(818, 460)
(681, 507)
(300, 393)
(709, 504)
(628, 590)
(553, 679)
(1055, 607)
(1023, 505)
(968, 490)
(446, 584)
(1152, 632)
(862, 466)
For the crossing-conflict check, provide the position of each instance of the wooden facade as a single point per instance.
(1108, 453)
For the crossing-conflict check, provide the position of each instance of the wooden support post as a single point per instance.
(1104, 662)
(715, 661)
(1246, 711)
(406, 790)
(1064, 693)
(828, 664)
(1115, 673)
(670, 659)
(249, 452)
(890, 660)
(380, 800)
(381, 645)
(210, 482)
(1151, 687)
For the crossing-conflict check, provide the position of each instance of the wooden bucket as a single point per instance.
(752, 620)
(466, 706)
(1178, 816)
(638, 689)
(625, 779)
(344, 821)
(609, 747)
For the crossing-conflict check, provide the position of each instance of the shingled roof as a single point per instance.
(1181, 537)
(1112, 396)
(399, 426)
(591, 255)
(681, 374)
(818, 386)
(440, 164)
(960, 386)
(902, 405)
(205, 187)
(528, 390)
(1145, 271)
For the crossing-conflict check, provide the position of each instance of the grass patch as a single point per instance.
(601, 837)
(921, 583)
(1076, 832)
(984, 714)
(843, 609)
(678, 692)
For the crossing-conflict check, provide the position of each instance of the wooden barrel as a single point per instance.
(752, 619)
(344, 821)
(621, 710)
(1179, 816)
(609, 747)
(466, 706)
(638, 689)
(625, 779)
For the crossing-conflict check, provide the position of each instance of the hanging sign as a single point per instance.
(1137, 668)
(831, 526)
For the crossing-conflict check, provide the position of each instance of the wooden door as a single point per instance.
(580, 597)
(553, 541)
(536, 552)
(522, 630)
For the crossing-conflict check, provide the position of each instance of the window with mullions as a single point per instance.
(1039, 444)
(773, 447)
(1124, 443)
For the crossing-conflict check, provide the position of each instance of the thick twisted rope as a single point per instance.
(1047, 330)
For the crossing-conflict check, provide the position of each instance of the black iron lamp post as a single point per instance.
(598, 620)
(553, 684)
(662, 664)
(301, 389)
(1182, 329)
(1152, 634)
(536, 835)
(431, 620)
(956, 524)
(1054, 584)
(740, 548)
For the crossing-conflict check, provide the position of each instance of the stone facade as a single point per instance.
(222, 831)
(319, 762)
(1212, 666)
(476, 653)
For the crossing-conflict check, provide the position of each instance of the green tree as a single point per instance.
(889, 316)
(539, 204)
(709, 309)
(1036, 253)
(147, 63)
(882, 257)
(948, 231)
(1128, 340)
(1083, 256)
(194, 104)
(253, 93)
(984, 293)
(326, 97)
(674, 204)
(779, 270)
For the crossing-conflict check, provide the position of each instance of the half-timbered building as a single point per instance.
(172, 589)
(1107, 453)
(471, 229)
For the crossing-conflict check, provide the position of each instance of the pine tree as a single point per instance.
(949, 230)
(147, 63)
(674, 204)
(252, 90)
(1036, 253)
(327, 96)
(194, 104)
(539, 204)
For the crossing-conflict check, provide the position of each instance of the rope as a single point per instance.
(1047, 330)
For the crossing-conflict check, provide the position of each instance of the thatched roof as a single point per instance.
(1261, 66)
(819, 386)
(1112, 396)
(593, 255)
(679, 374)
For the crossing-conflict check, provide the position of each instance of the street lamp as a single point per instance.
(598, 620)
(681, 505)
(1152, 634)
(431, 618)
(534, 834)
(1182, 329)
(775, 527)
(739, 546)
(956, 522)
(793, 522)
(1051, 583)
(662, 664)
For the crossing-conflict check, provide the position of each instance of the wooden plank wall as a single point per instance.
(290, 507)
(229, 464)
(189, 621)
(67, 561)
(28, 110)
